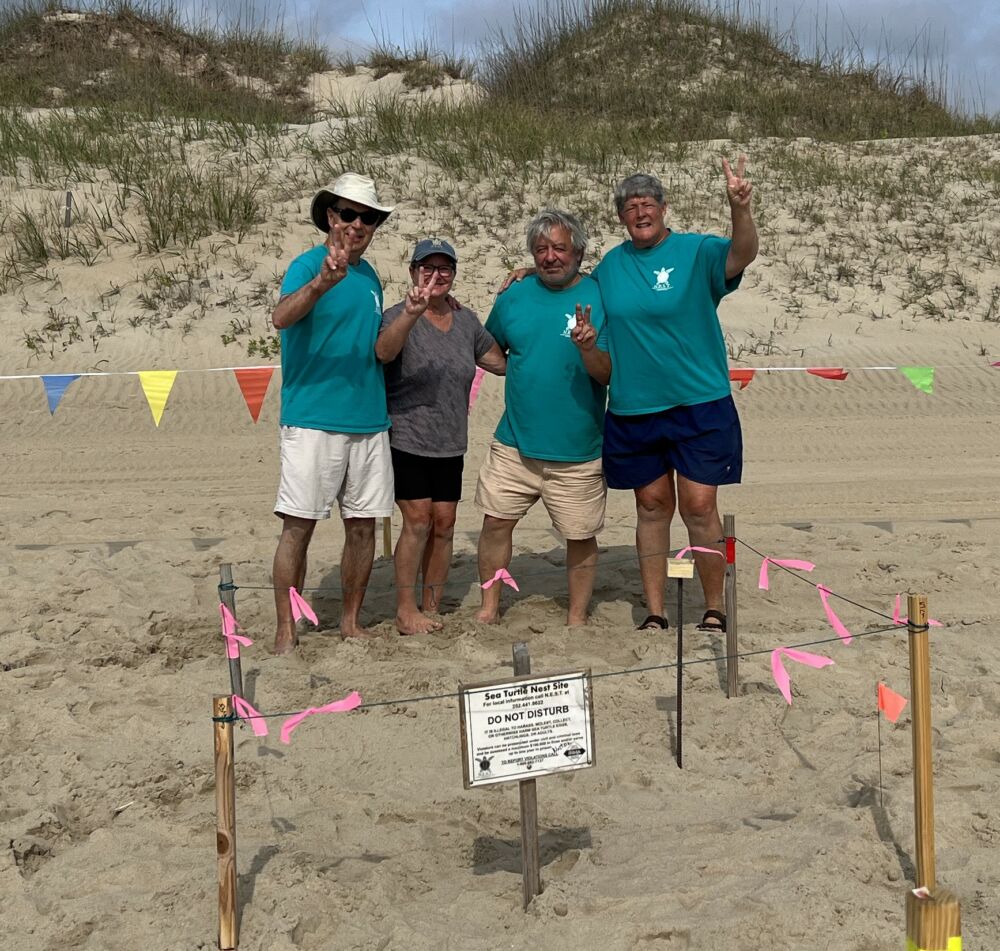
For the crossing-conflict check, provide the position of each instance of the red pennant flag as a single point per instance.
(253, 382)
(828, 373)
(890, 703)
(743, 377)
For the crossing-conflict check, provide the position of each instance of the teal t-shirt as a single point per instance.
(662, 330)
(330, 378)
(554, 408)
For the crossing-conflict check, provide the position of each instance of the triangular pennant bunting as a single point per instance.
(743, 377)
(157, 384)
(55, 385)
(828, 373)
(921, 377)
(253, 383)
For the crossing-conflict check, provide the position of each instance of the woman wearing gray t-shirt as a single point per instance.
(430, 346)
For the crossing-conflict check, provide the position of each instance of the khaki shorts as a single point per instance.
(319, 468)
(573, 493)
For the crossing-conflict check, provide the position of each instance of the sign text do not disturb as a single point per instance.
(525, 728)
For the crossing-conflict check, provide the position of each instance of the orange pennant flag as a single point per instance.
(828, 373)
(890, 703)
(253, 383)
(743, 377)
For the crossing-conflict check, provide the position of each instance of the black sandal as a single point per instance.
(714, 615)
(654, 622)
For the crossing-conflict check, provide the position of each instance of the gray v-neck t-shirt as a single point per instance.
(427, 385)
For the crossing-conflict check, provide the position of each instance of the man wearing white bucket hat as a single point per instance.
(334, 421)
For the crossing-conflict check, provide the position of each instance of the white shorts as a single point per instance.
(320, 467)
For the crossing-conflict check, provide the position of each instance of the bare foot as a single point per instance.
(285, 642)
(416, 623)
(572, 621)
(488, 616)
(355, 630)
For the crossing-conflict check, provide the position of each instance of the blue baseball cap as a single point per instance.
(427, 246)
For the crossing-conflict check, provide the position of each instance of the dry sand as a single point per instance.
(359, 834)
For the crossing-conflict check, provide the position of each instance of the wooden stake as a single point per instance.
(933, 920)
(933, 915)
(732, 641)
(531, 878)
(387, 538)
(227, 595)
(225, 821)
(923, 768)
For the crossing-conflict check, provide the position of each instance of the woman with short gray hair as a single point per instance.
(671, 433)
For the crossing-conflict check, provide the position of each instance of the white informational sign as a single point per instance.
(529, 727)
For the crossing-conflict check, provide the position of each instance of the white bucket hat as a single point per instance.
(351, 186)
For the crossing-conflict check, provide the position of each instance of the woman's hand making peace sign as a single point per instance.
(419, 296)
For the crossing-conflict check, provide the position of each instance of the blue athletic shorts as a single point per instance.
(704, 443)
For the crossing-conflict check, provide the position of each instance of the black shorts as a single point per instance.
(427, 477)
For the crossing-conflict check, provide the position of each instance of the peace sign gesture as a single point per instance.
(738, 188)
(583, 334)
(334, 268)
(419, 296)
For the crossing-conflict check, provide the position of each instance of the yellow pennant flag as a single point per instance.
(157, 384)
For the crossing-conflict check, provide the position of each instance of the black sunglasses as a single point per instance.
(347, 215)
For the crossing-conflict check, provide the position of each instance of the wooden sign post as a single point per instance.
(225, 821)
(227, 595)
(933, 915)
(515, 730)
(531, 870)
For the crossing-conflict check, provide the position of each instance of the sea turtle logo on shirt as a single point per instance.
(570, 324)
(662, 275)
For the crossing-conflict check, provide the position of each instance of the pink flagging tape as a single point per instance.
(763, 582)
(229, 628)
(781, 677)
(707, 551)
(476, 383)
(502, 575)
(300, 607)
(351, 702)
(246, 712)
(831, 615)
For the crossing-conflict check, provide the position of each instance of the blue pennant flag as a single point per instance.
(55, 386)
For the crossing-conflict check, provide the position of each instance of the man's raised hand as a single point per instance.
(583, 333)
(335, 263)
(419, 296)
(738, 187)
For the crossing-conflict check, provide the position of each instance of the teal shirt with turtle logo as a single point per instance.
(554, 409)
(662, 331)
(330, 377)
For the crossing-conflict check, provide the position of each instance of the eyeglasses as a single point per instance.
(445, 270)
(347, 215)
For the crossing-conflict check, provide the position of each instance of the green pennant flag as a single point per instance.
(921, 377)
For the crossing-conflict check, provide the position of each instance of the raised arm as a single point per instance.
(745, 243)
(293, 307)
(391, 340)
(595, 360)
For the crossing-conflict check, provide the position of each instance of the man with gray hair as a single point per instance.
(548, 443)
